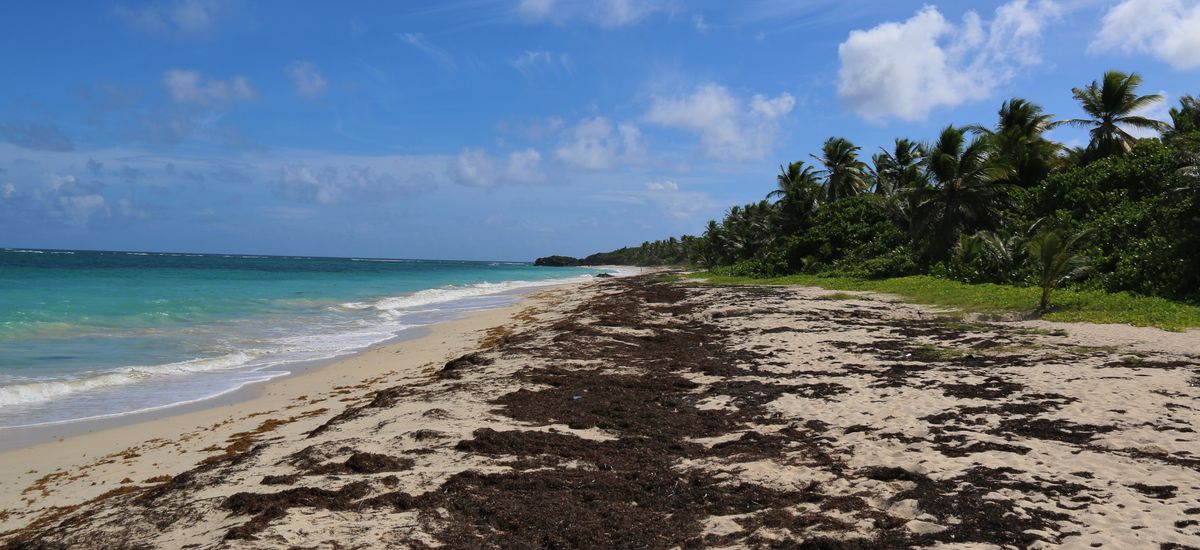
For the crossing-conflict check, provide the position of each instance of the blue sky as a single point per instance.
(502, 129)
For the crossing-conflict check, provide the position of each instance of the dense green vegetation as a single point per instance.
(1071, 305)
(999, 204)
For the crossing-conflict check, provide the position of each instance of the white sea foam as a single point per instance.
(385, 319)
(451, 293)
(35, 392)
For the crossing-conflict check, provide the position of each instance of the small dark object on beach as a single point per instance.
(453, 368)
(603, 275)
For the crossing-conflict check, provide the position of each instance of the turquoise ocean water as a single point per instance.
(88, 334)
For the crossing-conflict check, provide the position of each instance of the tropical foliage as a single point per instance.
(984, 203)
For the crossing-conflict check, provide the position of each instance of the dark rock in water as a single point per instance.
(603, 275)
(556, 261)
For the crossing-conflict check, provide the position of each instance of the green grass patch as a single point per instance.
(666, 278)
(930, 352)
(1091, 306)
(837, 296)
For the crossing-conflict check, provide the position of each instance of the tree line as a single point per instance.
(997, 203)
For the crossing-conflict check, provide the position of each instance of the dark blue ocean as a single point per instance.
(87, 334)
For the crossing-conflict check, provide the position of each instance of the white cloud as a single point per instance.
(8, 190)
(728, 127)
(418, 41)
(595, 144)
(67, 199)
(186, 86)
(309, 82)
(535, 62)
(177, 16)
(476, 167)
(331, 184)
(605, 13)
(907, 69)
(1166, 29)
(525, 166)
(665, 185)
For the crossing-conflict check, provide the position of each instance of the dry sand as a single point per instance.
(628, 413)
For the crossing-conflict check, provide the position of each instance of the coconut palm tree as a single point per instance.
(1053, 256)
(1018, 137)
(845, 175)
(1110, 106)
(797, 195)
(969, 189)
(899, 168)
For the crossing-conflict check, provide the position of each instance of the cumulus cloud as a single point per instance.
(605, 13)
(537, 62)
(596, 144)
(41, 137)
(1166, 29)
(331, 184)
(71, 201)
(422, 44)
(174, 17)
(191, 87)
(477, 168)
(729, 127)
(907, 69)
(309, 82)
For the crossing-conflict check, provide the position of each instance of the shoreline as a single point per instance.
(668, 415)
(184, 430)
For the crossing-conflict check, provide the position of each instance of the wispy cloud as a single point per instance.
(309, 82)
(418, 41)
(604, 13)
(187, 86)
(538, 62)
(173, 17)
(476, 167)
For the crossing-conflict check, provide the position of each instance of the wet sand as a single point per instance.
(630, 413)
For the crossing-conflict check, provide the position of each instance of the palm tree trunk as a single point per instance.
(1045, 303)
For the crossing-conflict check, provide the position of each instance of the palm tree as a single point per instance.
(1111, 105)
(1019, 140)
(899, 168)
(1052, 254)
(845, 175)
(1185, 119)
(798, 192)
(969, 189)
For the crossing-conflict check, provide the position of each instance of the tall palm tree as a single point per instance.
(1110, 106)
(845, 175)
(1185, 119)
(798, 192)
(899, 168)
(1053, 256)
(1018, 138)
(969, 189)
